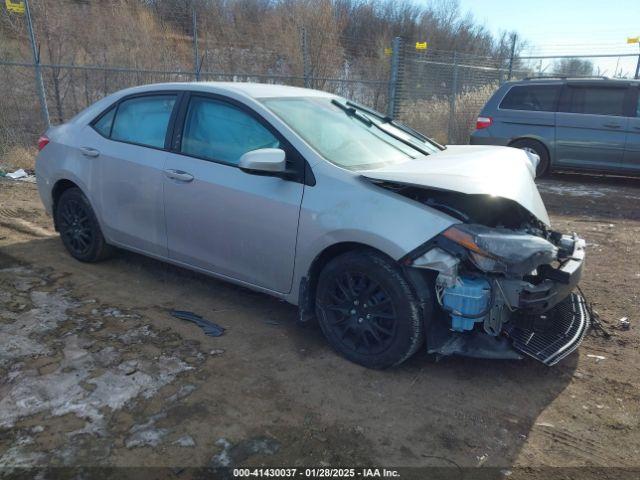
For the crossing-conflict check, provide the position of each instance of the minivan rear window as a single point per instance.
(537, 98)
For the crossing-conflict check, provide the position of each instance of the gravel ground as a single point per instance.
(93, 370)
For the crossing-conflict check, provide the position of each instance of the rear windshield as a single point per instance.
(537, 98)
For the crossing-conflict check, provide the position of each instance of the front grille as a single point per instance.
(553, 335)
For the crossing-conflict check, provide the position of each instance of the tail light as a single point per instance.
(43, 141)
(483, 122)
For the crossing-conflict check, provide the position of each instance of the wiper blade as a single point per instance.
(398, 125)
(352, 112)
(370, 111)
(410, 131)
(409, 143)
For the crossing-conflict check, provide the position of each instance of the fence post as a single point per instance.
(196, 54)
(393, 104)
(514, 39)
(38, 71)
(306, 67)
(452, 102)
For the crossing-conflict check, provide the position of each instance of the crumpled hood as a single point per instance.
(499, 171)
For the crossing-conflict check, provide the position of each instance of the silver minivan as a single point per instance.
(386, 238)
(571, 124)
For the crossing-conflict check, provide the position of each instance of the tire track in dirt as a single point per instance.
(26, 227)
(581, 446)
(9, 213)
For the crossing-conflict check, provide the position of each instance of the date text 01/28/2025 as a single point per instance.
(316, 472)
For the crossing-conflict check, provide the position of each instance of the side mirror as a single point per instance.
(264, 160)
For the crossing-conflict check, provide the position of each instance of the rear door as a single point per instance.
(632, 149)
(128, 144)
(591, 125)
(220, 218)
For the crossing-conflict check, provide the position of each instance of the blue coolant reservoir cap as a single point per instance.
(470, 296)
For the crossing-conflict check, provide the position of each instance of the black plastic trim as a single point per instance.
(558, 285)
(551, 337)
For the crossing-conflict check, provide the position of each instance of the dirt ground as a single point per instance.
(94, 371)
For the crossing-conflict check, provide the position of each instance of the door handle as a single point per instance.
(178, 175)
(89, 152)
(612, 125)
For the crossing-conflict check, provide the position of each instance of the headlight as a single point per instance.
(501, 250)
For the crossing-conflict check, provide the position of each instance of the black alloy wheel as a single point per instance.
(362, 314)
(367, 309)
(75, 228)
(79, 228)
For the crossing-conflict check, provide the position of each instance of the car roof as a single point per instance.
(232, 89)
(254, 90)
(575, 80)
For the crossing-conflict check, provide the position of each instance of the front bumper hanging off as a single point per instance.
(544, 320)
(557, 285)
(551, 336)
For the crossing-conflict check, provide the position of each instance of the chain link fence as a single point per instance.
(441, 93)
(78, 54)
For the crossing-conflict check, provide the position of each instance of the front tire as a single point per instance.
(79, 228)
(367, 309)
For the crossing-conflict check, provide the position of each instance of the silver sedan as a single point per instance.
(386, 238)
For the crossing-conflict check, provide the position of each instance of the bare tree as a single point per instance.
(573, 67)
(346, 50)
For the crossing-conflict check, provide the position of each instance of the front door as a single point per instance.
(220, 218)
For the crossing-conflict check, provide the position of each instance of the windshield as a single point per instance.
(348, 135)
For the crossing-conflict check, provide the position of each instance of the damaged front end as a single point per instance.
(503, 287)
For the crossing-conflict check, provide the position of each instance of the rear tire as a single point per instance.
(79, 228)
(367, 309)
(540, 150)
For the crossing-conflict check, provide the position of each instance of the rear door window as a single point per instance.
(103, 124)
(143, 120)
(597, 101)
(537, 98)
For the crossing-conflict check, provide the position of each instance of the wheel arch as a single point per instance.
(418, 279)
(400, 283)
(535, 138)
(65, 183)
(309, 282)
(61, 186)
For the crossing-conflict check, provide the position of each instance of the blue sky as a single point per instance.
(556, 27)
